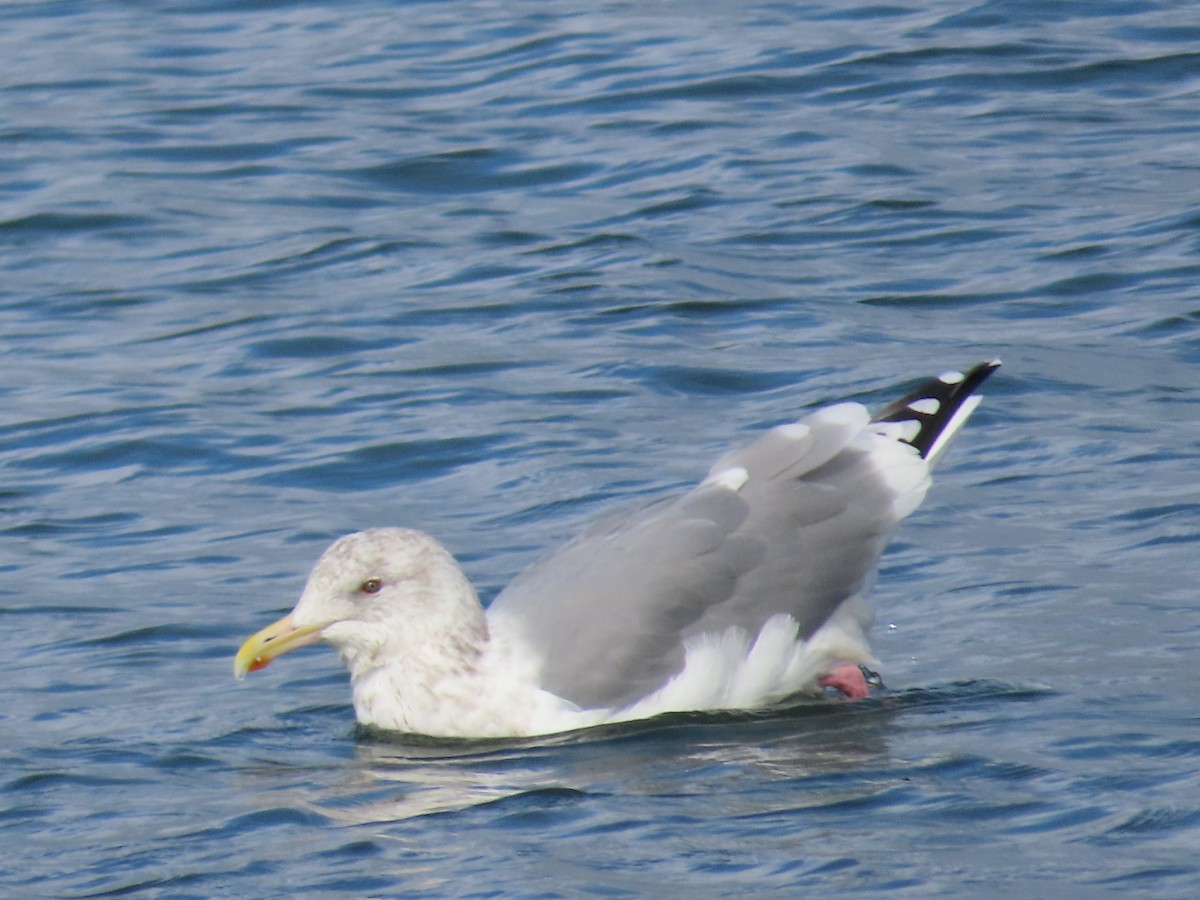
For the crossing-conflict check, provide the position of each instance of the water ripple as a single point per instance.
(275, 271)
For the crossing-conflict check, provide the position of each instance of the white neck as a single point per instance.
(468, 680)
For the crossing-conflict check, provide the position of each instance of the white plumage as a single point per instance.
(745, 590)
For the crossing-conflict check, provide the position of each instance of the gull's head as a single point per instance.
(374, 595)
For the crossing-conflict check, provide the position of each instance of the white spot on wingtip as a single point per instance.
(905, 430)
(732, 478)
(927, 407)
(951, 377)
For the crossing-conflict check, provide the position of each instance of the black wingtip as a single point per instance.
(934, 404)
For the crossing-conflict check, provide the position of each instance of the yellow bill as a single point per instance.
(275, 640)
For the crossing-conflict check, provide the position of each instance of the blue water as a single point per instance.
(275, 271)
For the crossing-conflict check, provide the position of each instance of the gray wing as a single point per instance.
(793, 523)
(801, 533)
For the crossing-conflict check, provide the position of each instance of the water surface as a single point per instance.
(277, 271)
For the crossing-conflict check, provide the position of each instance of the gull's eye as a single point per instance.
(371, 586)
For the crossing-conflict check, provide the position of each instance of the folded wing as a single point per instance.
(792, 523)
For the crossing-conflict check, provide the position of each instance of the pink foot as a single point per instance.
(848, 679)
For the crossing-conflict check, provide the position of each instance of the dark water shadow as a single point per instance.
(401, 776)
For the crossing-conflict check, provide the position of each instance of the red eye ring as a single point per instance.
(371, 586)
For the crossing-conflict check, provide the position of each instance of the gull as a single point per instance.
(740, 593)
